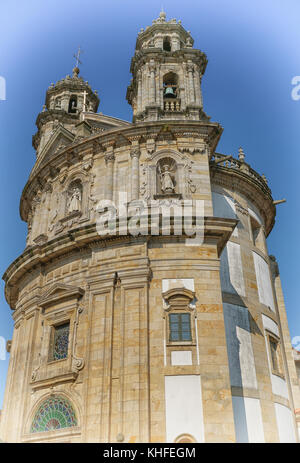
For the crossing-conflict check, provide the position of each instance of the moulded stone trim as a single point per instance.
(59, 292)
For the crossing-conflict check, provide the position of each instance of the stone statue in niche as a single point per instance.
(166, 172)
(75, 199)
(167, 184)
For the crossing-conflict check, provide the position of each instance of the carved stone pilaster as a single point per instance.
(77, 362)
(109, 159)
(135, 178)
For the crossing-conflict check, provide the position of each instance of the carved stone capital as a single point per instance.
(109, 157)
(152, 66)
(135, 152)
(190, 67)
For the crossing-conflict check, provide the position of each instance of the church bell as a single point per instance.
(169, 92)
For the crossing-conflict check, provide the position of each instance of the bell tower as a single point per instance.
(167, 74)
(66, 105)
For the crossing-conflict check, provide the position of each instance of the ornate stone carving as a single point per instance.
(41, 239)
(75, 200)
(190, 185)
(74, 197)
(166, 169)
(87, 165)
(109, 157)
(150, 145)
(77, 363)
(144, 182)
(166, 179)
(135, 152)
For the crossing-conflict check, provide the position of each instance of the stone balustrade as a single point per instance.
(241, 166)
(172, 105)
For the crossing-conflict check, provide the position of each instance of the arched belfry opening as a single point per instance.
(170, 85)
(167, 44)
(73, 104)
(170, 95)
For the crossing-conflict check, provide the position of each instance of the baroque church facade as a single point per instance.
(141, 334)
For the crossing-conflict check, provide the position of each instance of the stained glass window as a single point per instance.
(56, 412)
(180, 327)
(59, 342)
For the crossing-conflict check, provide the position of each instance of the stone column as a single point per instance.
(190, 70)
(152, 82)
(65, 101)
(135, 177)
(109, 159)
(197, 82)
(47, 207)
(139, 93)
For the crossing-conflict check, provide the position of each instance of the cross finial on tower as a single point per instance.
(77, 57)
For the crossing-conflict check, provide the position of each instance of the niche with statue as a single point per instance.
(167, 178)
(74, 198)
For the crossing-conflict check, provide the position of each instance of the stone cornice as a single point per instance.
(143, 56)
(59, 292)
(162, 27)
(217, 231)
(210, 131)
(252, 186)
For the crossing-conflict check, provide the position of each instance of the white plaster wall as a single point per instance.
(279, 386)
(285, 423)
(239, 346)
(231, 271)
(187, 283)
(265, 293)
(270, 325)
(181, 357)
(184, 413)
(224, 207)
(248, 420)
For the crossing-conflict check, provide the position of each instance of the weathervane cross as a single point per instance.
(77, 57)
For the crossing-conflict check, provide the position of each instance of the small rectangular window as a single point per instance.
(59, 342)
(276, 359)
(180, 327)
(273, 346)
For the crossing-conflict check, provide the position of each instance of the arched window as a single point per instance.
(73, 104)
(56, 412)
(167, 44)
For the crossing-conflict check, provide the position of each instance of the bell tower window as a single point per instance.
(167, 44)
(170, 85)
(73, 105)
(170, 89)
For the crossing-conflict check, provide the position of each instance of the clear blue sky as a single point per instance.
(253, 54)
